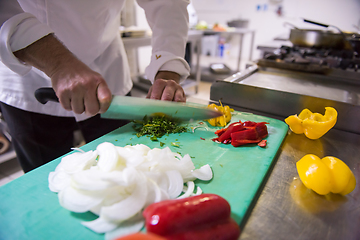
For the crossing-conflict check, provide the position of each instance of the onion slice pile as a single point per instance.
(117, 183)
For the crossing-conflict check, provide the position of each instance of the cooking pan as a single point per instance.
(318, 38)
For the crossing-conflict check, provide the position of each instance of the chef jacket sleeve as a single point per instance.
(18, 30)
(169, 22)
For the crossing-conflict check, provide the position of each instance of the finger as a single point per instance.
(77, 103)
(157, 89)
(65, 101)
(91, 103)
(168, 93)
(104, 97)
(180, 96)
(148, 95)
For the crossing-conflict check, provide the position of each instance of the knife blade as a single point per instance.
(134, 108)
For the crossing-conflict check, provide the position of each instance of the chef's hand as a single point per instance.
(166, 87)
(78, 88)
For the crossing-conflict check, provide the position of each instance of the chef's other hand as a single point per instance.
(166, 87)
(78, 87)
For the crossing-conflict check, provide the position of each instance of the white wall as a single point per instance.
(268, 25)
(341, 13)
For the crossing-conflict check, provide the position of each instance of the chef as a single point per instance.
(75, 48)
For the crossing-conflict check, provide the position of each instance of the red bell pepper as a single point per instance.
(240, 133)
(141, 236)
(205, 216)
(234, 127)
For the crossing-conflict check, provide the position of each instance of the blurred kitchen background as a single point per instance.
(226, 37)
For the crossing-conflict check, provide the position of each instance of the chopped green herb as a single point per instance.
(175, 144)
(162, 144)
(153, 138)
(157, 126)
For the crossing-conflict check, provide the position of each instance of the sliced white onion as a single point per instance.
(189, 191)
(109, 158)
(77, 201)
(91, 180)
(77, 161)
(58, 180)
(132, 225)
(204, 173)
(128, 207)
(122, 183)
(175, 183)
(198, 191)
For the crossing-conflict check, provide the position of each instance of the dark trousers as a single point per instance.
(39, 138)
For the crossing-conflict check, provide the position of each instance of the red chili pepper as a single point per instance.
(202, 138)
(205, 216)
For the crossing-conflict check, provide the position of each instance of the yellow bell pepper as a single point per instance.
(222, 120)
(313, 125)
(325, 175)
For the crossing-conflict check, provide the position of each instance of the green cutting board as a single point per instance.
(29, 210)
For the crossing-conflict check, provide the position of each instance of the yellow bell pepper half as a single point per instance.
(313, 125)
(222, 120)
(326, 175)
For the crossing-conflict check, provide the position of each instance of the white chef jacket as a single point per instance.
(90, 30)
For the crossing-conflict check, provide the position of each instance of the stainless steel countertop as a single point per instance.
(287, 210)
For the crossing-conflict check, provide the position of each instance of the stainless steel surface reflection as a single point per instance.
(287, 210)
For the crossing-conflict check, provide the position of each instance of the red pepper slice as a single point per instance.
(239, 133)
(262, 143)
(234, 127)
(191, 218)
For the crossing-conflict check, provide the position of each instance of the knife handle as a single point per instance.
(43, 95)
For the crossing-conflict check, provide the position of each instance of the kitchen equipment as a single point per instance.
(317, 38)
(270, 88)
(219, 68)
(238, 23)
(133, 108)
(29, 208)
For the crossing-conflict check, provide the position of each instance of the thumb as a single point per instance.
(104, 96)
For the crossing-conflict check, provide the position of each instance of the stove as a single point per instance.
(290, 79)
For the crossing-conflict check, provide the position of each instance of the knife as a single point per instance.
(134, 108)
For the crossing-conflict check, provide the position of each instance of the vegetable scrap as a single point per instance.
(313, 125)
(222, 120)
(157, 126)
(241, 133)
(262, 143)
(117, 183)
(205, 216)
(325, 175)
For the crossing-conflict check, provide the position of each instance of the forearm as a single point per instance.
(78, 88)
(47, 54)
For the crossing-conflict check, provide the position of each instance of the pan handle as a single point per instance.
(316, 23)
(323, 25)
(43, 95)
